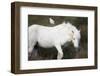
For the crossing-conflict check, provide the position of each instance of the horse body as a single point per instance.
(53, 36)
(47, 37)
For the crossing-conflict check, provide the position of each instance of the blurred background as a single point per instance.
(81, 23)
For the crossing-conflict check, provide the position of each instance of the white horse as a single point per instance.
(53, 36)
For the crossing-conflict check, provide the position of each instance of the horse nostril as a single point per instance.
(79, 49)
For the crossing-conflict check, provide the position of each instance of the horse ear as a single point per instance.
(51, 21)
(79, 30)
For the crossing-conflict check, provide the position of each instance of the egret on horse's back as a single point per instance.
(55, 36)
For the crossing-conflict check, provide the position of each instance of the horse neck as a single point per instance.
(72, 28)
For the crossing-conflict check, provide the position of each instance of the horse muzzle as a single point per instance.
(77, 49)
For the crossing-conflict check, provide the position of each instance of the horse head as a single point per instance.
(75, 35)
(76, 39)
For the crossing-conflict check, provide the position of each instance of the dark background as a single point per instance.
(81, 23)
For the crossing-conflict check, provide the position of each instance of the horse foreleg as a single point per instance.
(60, 52)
